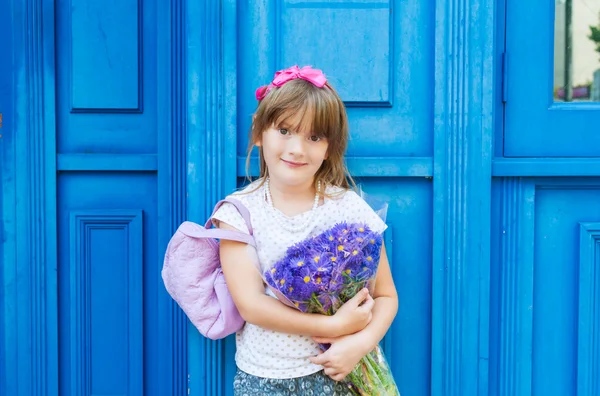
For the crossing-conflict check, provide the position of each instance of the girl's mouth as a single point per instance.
(292, 164)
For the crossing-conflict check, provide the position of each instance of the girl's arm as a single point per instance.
(386, 304)
(248, 292)
(346, 351)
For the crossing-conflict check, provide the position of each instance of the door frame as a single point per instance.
(211, 73)
(465, 69)
(465, 98)
(29, 281)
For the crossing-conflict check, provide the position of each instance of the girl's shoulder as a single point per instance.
(341, 196)
(353, 208)
(227, 213)
(248, 193)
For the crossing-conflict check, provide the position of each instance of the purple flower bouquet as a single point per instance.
(320, 274)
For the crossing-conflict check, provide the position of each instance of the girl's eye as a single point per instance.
(284, 131)
(315, 138)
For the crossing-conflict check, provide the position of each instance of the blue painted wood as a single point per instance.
(172, 142)
(511, 294)
(588, 345)
(535, 125)
(532, 166)
(211, 77)
(230, 19)
(500, 61)
(391, 120)
(403, 129)
(29, 265)
(370, 81)
(119, 252)
(8, 312)
(560, 206)
(408, 342)
(105, 55)
(387, 344)
(107, 79)
(106, 302)
(543, 324)
(172, 148)
(107, 162)
(464, 102)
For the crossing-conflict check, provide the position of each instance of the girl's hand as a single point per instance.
(355, 314)
(343, 355)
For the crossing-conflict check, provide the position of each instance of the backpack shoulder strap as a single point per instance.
(196, 231)
(239, 206)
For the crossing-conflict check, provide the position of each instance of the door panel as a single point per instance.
(564, 283)
(544, 317)
(105, 53)
(408, 343)
(105, 282)
(386, 83)
(545, 262)
(106, 73)
(380, 59)
(108, 214)
(535, 124)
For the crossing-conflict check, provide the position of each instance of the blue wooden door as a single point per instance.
(106, 208)
(121, 119)
(534, 55)
(93, 180)
(544, 319)
(372, 54)
(118, 196)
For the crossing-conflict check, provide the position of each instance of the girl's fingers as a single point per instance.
(359, 297)
(369, 303)
(330, 371)
(319, 359)
(338, 377)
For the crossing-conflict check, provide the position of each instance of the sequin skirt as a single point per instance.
(317, 384)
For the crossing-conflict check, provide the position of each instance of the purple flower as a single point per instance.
(373, 247)
(297, 264)
(302, 289)
(279, 277)
(328, 237)
(295, 250)
(359, 231)
(322, 272)
(340, 232)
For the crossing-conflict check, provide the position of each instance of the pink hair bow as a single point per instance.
(314, 76)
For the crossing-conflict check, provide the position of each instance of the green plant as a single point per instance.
(595, 35)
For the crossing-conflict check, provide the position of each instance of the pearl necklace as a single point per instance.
(282, 220)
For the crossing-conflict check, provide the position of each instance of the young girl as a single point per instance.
(301, 130)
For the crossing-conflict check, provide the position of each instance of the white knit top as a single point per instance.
(266, 353)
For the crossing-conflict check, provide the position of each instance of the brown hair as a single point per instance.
(327, 118)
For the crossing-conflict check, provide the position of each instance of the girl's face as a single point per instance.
(292, 157)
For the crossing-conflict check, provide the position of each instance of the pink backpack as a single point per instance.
(193, 277)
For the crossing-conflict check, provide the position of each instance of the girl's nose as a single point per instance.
(296, 145)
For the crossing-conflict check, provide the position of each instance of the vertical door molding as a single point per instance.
(512, 313)
(463, 124)
(29, 187)
(172, 181)
(211, 147)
